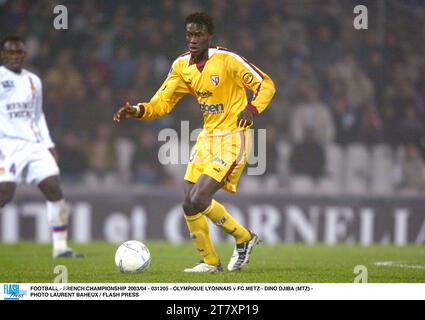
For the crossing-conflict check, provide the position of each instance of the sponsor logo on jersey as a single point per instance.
(248, 77)
(20, 110)
(204, 94)
(20, 114)
(19, 106)
(219, 161)
(212, 108)
(215, 80)
(8, 84)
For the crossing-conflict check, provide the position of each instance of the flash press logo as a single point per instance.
(13, 292)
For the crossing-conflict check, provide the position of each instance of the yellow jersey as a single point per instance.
(218, 83)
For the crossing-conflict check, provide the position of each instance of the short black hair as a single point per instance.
(13, 38)
(201, 18)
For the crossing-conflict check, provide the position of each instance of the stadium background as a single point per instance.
(345, 131)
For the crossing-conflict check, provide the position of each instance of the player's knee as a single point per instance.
(6, 195)
(4, 200)
(188, 209)
(51, 189)
(200, 201)
(195, 201)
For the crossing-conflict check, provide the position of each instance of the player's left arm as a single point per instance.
(258, 82)
(41, 122)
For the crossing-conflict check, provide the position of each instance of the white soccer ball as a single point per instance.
(133, 256)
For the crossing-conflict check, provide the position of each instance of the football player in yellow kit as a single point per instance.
(217, 78)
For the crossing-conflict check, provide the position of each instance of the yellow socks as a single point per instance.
(199, 232)
(219, 215)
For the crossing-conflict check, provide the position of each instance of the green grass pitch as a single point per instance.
(28, 262)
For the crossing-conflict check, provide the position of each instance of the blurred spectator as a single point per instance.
(72, 159)
(146, 168)
(312, 115)
(347, 122)
(392, 126)
(377, 73)
(100, 107)
(372, 130)
(400, 92)
(102, 157)
(420, 93)
(413, 172)
(123, 68)
(412, 128)
(358, 87)
(308, 157)
(325, 49)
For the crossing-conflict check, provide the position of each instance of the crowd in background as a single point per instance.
(337, 87)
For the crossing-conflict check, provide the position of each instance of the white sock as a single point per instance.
(60, 241)
(57, 214)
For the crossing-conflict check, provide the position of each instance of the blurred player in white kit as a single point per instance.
(27, 152)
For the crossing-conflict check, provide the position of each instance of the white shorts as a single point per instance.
(25, 162)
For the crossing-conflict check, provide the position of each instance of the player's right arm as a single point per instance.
(161, 104)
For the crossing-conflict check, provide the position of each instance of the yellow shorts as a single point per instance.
(223, 158)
